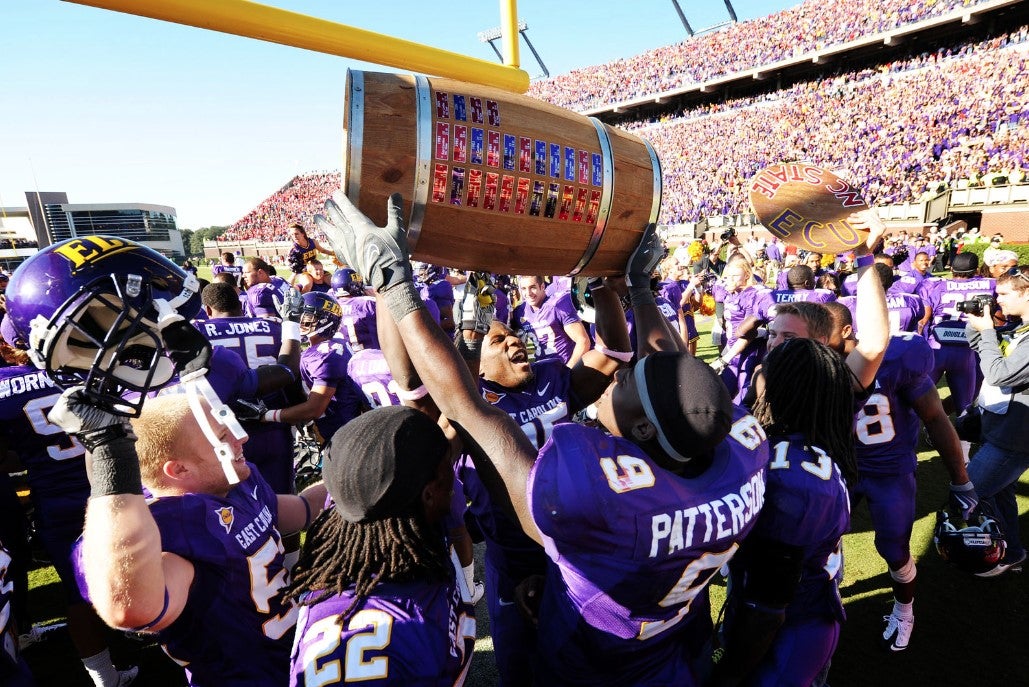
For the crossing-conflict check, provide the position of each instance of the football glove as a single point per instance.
(964, 499)
(644, 259)
(290, 305)
(379, 254)
(248, 410)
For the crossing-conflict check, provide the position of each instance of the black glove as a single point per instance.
(248, 410)
(187, 347)
(107, 437)
(644, 259)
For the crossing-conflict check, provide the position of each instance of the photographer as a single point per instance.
(1004, 401)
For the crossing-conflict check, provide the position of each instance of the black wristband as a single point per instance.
(115, 468)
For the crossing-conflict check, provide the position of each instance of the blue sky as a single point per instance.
(111, 107)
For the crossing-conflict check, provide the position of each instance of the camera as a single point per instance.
(728, 234)
(976, 305)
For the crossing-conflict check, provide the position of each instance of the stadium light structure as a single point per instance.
(495, 33)
(689, 29)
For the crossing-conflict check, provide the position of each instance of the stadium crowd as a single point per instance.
(809, 26)
(896, 131)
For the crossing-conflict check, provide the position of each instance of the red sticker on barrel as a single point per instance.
(493, 112)
(442, 105)
(492, 185)
(493, 149)
(522, 195)
(474, 187)
(476, 110)
(456, 185)
(580, 205)
(567, 198)
(525, 155)
(439, 183)
(460, 143)
(442, 141)
(584, 167)
(506, 193)
(594, 209)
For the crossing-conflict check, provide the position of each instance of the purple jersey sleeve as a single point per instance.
(417, 633)
(632, 545)
(235, 605)
(886, 426)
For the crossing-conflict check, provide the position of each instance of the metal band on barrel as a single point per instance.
(354, 143)
(605, 197)
(422, 174)
(655, 165)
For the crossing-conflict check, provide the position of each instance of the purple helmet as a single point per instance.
(426, 273)
(320, 314)
(89, 307)
(347, 281)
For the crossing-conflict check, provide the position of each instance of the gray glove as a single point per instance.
(644, 259)
(379, 254)
(290, 305)
(478, 304)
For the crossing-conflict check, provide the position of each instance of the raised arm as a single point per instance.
(504, 456)
(132, 584)
(872, 319)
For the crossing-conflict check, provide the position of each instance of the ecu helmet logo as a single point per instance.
(225, 517)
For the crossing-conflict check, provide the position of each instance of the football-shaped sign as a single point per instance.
(808, 207)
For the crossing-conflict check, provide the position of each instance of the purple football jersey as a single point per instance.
(904, 311)
(55, 462)
(357, 327)
(441, 293)
(943, 295)
(236, 628)
(545, 326)
(908, 282)
(632, 548)
(414, 633)
(326, 365)
(558, 286)
(886, 426)
(227, 374)
(738, 307)
(257, 341)
(769, 299)
(369, 370)
(806, 505)
(663, 304)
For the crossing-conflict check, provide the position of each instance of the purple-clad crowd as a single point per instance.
(809, 26)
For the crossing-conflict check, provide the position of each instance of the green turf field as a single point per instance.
(968, 631)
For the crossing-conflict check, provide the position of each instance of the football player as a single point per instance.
(740, 321)
(228, 266)
(677, 448)
(332, 397)
(435, 285)
(552, 324)
(201, 565)
(358, 326)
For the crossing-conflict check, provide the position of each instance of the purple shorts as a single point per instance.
(891, 503)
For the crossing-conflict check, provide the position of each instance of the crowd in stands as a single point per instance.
(297, 201)
(806, 27)
(898, 131)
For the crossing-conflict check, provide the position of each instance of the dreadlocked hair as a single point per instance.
(809, 391)
(340, 555)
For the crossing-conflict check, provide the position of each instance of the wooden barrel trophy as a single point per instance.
(496, 181)
(808, 207)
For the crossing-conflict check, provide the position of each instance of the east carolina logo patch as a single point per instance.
(492, 396)
(225, 517)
